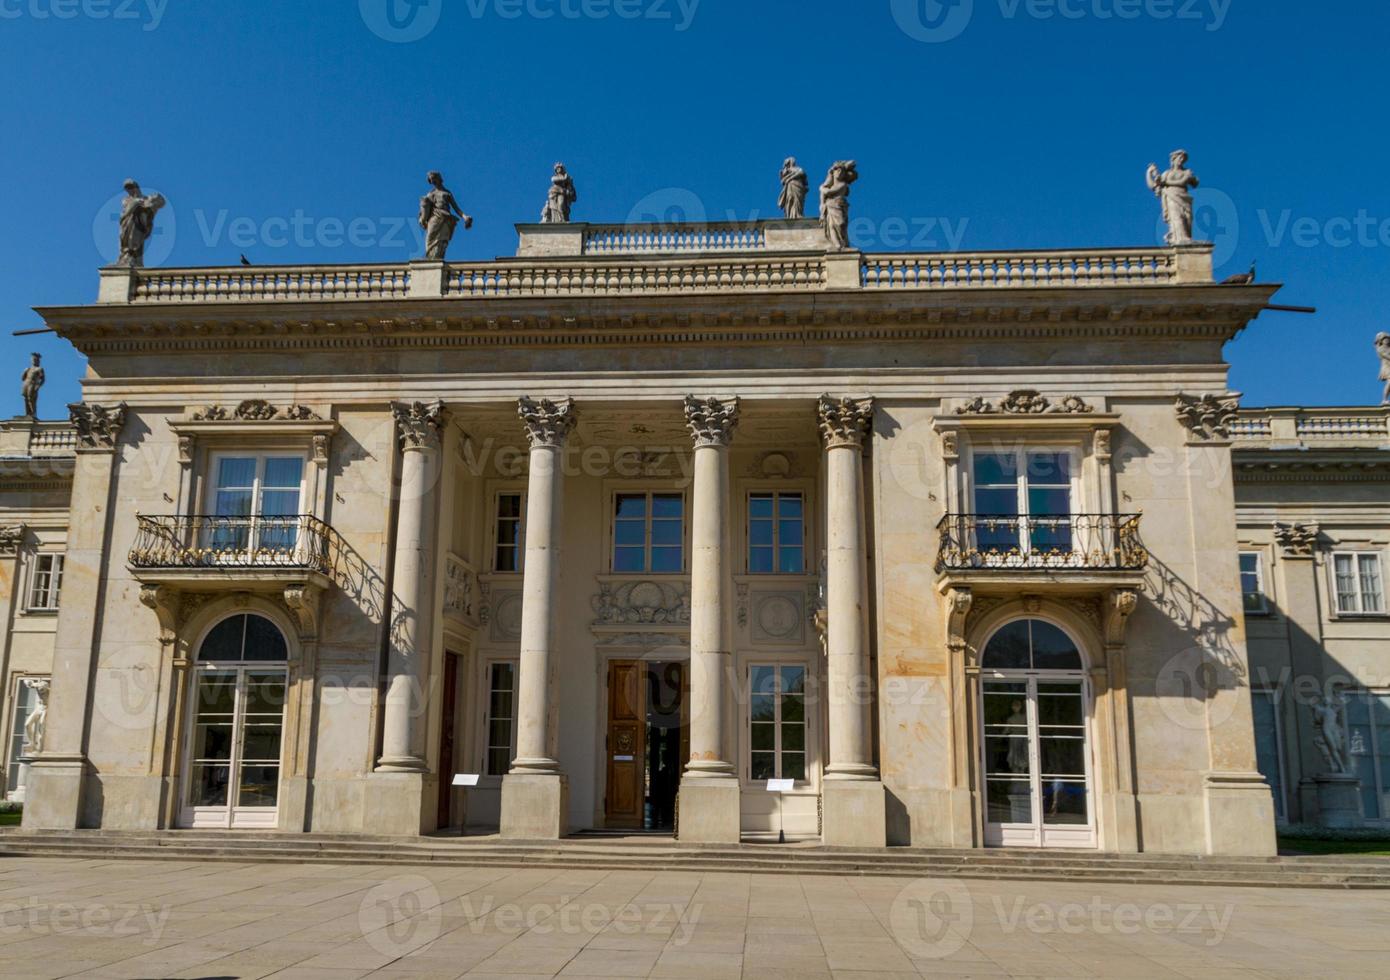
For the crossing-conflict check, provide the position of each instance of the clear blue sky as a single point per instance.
(271, 126)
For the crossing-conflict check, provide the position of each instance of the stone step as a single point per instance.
(1035, 865)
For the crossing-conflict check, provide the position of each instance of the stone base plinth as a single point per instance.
(710, 811)
(53, 794)
(535, 807)
(854, 814)
(1339, 802)
(398, 804)
(1240, 815)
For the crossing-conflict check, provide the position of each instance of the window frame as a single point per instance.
(808, 704)
(1357, 555)
(55, 581)
(649, 493)
(261, 456)
(495, 525)
(1076, 497)
(1261, 582)
(486, 689)
(776, 493)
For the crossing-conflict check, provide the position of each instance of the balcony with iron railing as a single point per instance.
(235, 550)
(1069, 551)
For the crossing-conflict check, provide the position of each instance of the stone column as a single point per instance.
(854, 800)
(57, 778)
(709, 794)
(535, 793)
(419, 427)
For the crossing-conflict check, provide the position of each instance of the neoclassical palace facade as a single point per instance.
(713, 530)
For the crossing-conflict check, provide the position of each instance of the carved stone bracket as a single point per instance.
(644, 602)
(1119, 606)
(844, 422)
(1207, 416)
(167, 606)
(548, 424)
(1026, 401)
(98, 426)
(255, 410)
(958, 605)
(303, 601)
(420, 425)
(711, 421)
(11, 537)
(1296, 540)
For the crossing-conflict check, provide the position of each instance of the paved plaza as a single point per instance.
(90, 918)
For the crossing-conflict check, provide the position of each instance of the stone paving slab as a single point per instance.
(72, 917)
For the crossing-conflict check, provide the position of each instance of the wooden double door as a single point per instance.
(647, 744)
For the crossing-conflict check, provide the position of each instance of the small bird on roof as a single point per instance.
(245, 260)
(1243, 279)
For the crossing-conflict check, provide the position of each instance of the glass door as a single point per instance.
(235, 740)
(1036, 762)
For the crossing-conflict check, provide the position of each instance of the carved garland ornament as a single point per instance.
(98, 427)
(1296, 540)
(846, 422)
(711, 421)
(641, 603)
(11, 537)
(419, 424)
(256, 410)
(1207, 416)
(1026, 401)
(548, 424)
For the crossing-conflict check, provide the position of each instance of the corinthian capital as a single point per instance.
(419, 424)
(711, 422)
(98, 426)
(548, 424)
(845, 422)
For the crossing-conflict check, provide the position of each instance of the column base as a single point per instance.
(1239, 815)
(53, 794)
(854, 813)
(1339, 802)
(395, 804)
(709, 811)
(535, 807)
(398, 764)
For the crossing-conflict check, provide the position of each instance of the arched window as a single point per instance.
(1031, 644)
(242, 638)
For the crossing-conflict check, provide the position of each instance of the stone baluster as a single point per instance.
(854, 801)
(535, 798)
(419, 427)
(709, 796)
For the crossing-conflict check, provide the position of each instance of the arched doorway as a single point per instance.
(236, 726)
(1035, 710)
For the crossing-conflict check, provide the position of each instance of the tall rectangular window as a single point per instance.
(1023, 501)
(1252, 588)
(1269, 754)
(649, 533)
(776, 533)
(1357, 579)
(45, 582)
(501, 718)
(777, 723)
(510, 545)
(256, 502)
(1368, 744)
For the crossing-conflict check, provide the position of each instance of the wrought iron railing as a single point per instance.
(1072, 542)
(300, 543)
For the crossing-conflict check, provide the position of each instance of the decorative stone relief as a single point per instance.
(1026, 401)
(1296, 540)
(460, 588)
(548, 424)
(419, 424)
(778, 617)
(1119, 607)
(711, 421)
(844, 422)
(644, 641)
(644, 603)
(502, 614)
(741, 602)
(774, 466)
(302, 601)
(11, 537)
(98, 426)
(959, 603)
(256, 410)
(1207, 416)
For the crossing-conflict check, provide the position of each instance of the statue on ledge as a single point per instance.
(561, 198)
(834, 202)
(1330, 732)
(137, 224)
(439, 215)
(37, 721)
(794, 188)
(31, 381)
(1383, 349)
(1173, 187)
